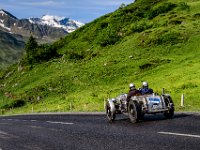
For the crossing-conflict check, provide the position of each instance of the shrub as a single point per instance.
(145, 66)
(188, 86)
(103, 25)
(183, 6)
(197, 15)
(74, 55)
(45, 53)
(175, 21)
(140, 26)
(14, 104)
(108, 36)
(160, 9)
(170, 37)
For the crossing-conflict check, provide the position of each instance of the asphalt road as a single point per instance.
(93, 132)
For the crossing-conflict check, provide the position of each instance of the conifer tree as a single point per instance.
(30, 49)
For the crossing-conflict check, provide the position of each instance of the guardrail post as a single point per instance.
(182, 100)
(32, 109)
(163, 91)
(70, 106)
(104, 102)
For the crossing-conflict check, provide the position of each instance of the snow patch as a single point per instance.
(3, 26)
(58, 22)
(2, 12)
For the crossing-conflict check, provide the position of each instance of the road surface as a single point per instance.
(93, 132)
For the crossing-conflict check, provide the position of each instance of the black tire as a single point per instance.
(141, 116)
(110, 115)
(132, 112)
(169, 103)
(170, 113)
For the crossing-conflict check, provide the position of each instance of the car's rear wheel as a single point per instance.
(170, 113)
(110, 115)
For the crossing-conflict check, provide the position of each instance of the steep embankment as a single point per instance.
(154, 41)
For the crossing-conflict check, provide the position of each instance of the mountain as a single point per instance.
(15, 33)
(149, 40)
(58, 22)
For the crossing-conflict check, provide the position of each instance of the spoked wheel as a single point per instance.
(169, 103)
(132, 112)
(110, 115)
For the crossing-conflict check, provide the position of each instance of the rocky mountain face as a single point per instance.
(14, 33)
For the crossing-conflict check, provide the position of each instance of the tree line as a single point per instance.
(35, 53)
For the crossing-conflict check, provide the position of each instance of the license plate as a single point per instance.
(154, 106)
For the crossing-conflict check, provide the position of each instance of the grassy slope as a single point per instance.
(165, 53)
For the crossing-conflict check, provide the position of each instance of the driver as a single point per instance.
(145, 89)
(132, 92)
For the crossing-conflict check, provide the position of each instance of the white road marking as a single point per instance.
(10, 119)
(68, 123)
(33, 120)
(36, 127)
(5, 135)
(4, 123)
(180, 134)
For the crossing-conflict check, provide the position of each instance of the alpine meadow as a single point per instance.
(157, 41)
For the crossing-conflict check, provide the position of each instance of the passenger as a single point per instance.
(145, 89)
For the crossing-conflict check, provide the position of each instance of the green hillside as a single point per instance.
(150, 40)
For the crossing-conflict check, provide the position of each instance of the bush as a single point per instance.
(183, 6)
(140, 26)
(170, 37)
(175, 21)
(197, 15)
(45, 53)
(160, 9)
(188, 86)
(145, 66)
(108, 36)
(14, 104)
(73, 55)
(40, 53)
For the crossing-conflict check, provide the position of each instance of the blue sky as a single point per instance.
(82, 10)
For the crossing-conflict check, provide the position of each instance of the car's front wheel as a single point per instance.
(132, 112)
(110, 115)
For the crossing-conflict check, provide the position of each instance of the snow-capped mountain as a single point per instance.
(67, 24)
(15, 32)
(12, 24)
(4, 17)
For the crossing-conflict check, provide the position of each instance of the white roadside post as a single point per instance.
(182, 100)
(104, 103)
